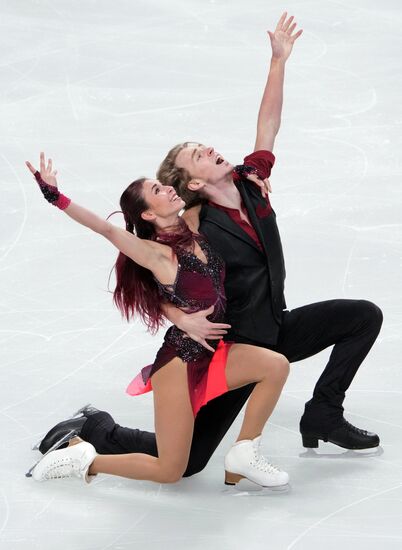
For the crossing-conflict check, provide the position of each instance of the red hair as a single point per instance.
(136, 291)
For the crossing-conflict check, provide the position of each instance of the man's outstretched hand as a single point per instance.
(283, 38)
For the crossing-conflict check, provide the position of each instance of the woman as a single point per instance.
(166, 260)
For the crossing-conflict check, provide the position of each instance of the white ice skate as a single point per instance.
(245, 461)
(73, 461)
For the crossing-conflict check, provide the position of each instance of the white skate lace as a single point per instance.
(262, 464)
(63, 467)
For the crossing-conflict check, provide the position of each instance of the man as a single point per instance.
(241, 225)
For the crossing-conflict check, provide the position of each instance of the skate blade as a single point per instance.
(245, 487)
(81, 410)
(35, 446)
(58, 443)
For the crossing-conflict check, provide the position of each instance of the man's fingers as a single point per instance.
(49, 165)
(31, 168)
(218, 326)
(281, 21)
(208, 311)
(296, 36)
(206, 345)
(291, 29)
(287, 24)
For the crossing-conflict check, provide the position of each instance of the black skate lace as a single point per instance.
(352, 428)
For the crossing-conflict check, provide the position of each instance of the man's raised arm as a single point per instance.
(269, 116)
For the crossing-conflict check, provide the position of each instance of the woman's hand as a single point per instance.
(47, 174)
(47, 182)
(264, 185)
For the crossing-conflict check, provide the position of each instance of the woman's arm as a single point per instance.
(145, 253)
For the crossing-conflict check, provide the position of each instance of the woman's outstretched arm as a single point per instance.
(143, 252)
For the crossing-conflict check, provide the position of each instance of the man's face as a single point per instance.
(203, 163)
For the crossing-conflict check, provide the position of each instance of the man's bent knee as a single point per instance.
(371, 313)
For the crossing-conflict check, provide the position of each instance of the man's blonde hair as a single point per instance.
(170, 174)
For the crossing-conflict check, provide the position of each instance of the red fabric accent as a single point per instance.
(263, 162)
(234, 214)
(137, 386)
(216, 380)
(62, 202)
(264, 211)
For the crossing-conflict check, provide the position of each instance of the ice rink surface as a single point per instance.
(106, 88)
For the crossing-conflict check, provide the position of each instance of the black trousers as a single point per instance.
(351, 326)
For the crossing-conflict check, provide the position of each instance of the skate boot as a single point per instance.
(245, 461)
(74, 461)
(60, 435)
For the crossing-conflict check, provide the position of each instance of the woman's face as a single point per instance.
(162, 200)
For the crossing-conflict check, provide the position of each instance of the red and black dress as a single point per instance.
(198, 286)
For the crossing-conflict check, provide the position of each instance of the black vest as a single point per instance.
(254, 282)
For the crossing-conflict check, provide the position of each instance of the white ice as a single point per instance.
(106, 88)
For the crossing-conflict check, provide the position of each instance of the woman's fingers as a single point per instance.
(258, 181)
(42, 162)
(49, 166)
(31, 168)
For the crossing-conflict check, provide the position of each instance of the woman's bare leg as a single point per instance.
(270, 370)
(174, 422)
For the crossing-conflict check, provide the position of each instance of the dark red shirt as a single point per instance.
(263, 162)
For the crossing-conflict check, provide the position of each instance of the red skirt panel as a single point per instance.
(206, 376)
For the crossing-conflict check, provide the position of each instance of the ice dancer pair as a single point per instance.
(162, 258)
(241, 226)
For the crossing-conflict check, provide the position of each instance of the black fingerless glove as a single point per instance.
(242, 171)
(51, 193)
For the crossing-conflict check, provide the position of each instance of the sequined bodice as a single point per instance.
(198, 286)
